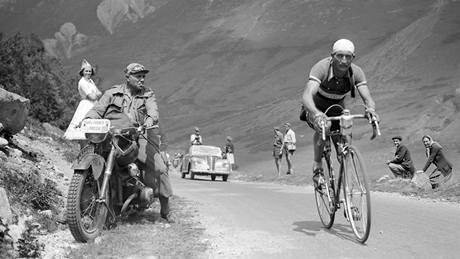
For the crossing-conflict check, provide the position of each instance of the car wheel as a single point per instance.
(224, 177)
(213, 177)
(183, 175)
(192, 175)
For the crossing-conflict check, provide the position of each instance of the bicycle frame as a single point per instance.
(351, 178)
(342, 150)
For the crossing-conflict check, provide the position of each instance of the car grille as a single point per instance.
(211, 162)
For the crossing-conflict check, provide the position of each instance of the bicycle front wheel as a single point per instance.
(324, 196)
(356, 193)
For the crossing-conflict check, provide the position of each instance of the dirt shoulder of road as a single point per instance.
(148, 236)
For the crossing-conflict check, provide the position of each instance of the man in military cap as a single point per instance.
(132, 104)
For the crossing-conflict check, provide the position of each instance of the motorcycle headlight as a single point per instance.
(95, 137)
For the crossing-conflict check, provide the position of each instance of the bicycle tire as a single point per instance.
(357, 195)
(325, 199)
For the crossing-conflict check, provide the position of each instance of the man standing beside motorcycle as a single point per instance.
(134, 104)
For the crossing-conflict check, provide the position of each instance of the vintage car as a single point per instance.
(205, 160)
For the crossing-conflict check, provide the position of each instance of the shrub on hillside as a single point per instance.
(27, 188)
(6, 242)
(44, 196)
(26, 69)
(28, 245)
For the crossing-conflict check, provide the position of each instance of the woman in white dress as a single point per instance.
(86, 86)
(89, 94)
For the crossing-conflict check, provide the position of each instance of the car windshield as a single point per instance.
(201, 150)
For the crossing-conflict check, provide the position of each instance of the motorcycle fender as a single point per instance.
(96, 162)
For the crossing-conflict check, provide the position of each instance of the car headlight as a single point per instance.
(95, 137)
(222, 164)
(197, 160)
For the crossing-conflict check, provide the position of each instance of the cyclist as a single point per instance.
(330, 80)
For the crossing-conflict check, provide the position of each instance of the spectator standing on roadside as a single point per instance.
(86, 86)
(289, 146)
(277, 145)
(443, 171)
(195, 138)
(230, 152)
(89, 94)
(401, 165)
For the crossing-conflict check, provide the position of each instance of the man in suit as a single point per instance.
(401, 165)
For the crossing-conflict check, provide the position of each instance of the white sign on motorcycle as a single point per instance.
(95, 126)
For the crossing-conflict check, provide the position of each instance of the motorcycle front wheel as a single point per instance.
(85, 215)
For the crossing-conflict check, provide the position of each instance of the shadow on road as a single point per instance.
(312, 228)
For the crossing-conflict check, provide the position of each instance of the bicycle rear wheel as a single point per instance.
(357, 196)
(324, 196)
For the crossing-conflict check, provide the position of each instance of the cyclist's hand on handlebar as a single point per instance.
(372, 115)
(150, 123)
(320, 121)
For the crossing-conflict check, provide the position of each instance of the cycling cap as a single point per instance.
(343, 45)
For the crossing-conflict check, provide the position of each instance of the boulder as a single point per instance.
(13, 111)
(3, 142)
(5, 209)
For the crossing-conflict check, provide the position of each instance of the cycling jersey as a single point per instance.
(332, 89)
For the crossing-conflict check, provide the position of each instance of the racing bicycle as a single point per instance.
(351, 178)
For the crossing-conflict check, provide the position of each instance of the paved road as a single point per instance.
(255, 220)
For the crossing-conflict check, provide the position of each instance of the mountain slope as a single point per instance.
(239, 67)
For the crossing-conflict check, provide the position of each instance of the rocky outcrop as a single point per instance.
(65, 41)
(13, 111)
(112, 13)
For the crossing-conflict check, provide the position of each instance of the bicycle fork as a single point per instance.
(332, 194)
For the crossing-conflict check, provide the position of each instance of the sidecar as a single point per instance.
(205, 160)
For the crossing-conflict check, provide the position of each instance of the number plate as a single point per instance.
(95, 126)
